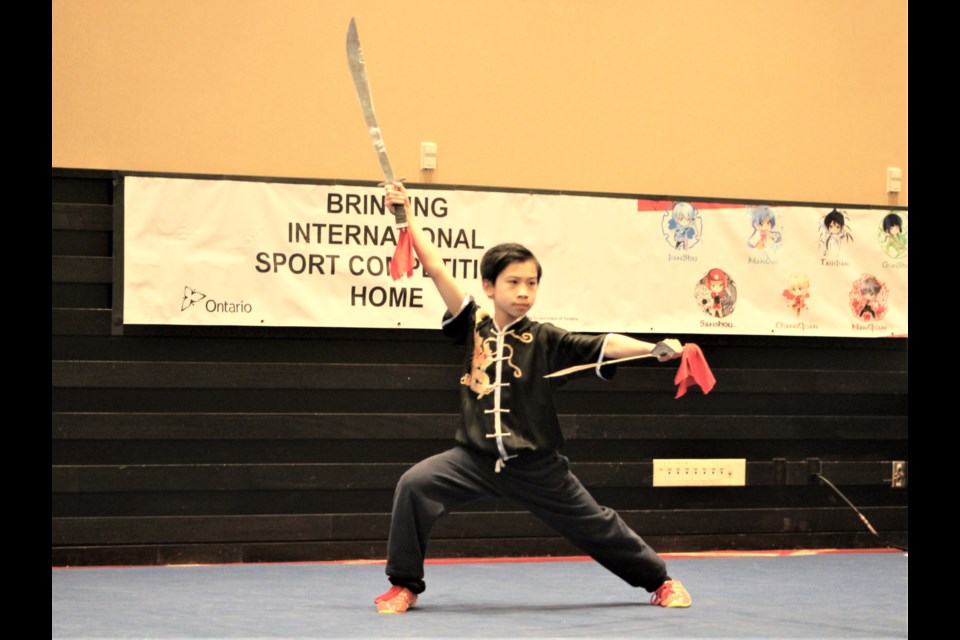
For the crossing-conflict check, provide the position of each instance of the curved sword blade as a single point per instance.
(359, 73)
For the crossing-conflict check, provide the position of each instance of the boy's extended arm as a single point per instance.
(450, 291)
(621, 346)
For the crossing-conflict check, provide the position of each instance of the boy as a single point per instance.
(509, 435)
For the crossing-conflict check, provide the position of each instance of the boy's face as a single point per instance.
(514, 292)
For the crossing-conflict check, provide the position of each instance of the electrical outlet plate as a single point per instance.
(898, 470)
(699, 472)
(428, 156)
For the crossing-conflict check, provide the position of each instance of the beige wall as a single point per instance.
(755, 99)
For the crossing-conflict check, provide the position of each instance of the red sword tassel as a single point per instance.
(693, 370)
(402, 263)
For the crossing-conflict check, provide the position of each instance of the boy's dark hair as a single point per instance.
(499, 257)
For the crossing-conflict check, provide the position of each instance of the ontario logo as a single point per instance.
(193, 297)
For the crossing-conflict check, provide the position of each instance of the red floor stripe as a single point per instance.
(774, 553)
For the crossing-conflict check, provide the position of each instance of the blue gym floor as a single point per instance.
(800, 595)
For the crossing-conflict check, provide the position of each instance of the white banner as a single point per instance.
(232, 252)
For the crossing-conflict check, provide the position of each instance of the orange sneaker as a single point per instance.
(671, 594)
(396, 600)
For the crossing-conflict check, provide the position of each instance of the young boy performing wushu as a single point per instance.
(508, 439)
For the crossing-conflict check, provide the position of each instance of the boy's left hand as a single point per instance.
(673, 344)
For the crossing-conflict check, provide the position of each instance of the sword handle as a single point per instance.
(401, 215)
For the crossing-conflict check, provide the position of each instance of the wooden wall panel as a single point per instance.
(236, 444)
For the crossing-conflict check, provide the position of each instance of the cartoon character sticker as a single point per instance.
(682, 226)
(893, 236)
(868, 298)
(797, 292)
(716, 293)
(834, 233)
(765, 235)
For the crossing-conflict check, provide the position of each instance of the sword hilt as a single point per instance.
(399, 213)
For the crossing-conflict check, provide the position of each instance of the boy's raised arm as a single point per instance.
(427, 253)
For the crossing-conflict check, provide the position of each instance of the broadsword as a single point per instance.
(359, 73)
(659, 349)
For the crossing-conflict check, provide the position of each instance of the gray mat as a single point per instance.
(850, 595)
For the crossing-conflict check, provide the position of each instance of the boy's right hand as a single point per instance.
(396, 194)
(430, 259)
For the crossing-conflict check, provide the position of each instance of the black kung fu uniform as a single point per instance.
(507, 445)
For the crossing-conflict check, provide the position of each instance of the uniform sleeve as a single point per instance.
(460, 325)
(568, 349)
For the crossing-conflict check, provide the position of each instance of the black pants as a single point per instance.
(544, 486)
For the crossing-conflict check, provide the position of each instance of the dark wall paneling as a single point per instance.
(246, 444)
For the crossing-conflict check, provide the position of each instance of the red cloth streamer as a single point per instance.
(693, 370)
(402, 263)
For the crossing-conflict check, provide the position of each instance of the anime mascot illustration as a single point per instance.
(682, 226)
(868, 298)
(834, 233)
(797, 292)
(893, 236)
(716, 293)
(765, 237)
